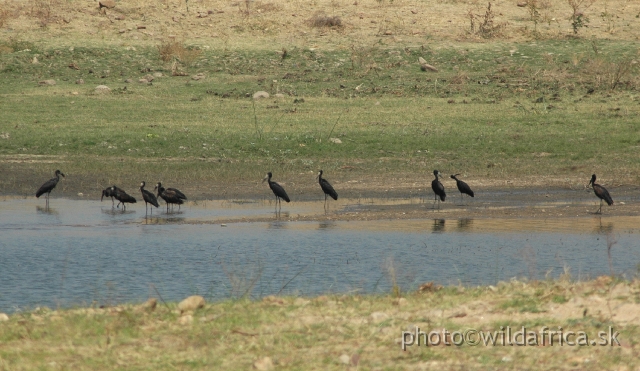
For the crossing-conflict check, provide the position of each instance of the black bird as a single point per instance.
(170, 195)
(49, 185)
(122, 196)
(327, 189)
(601, 192)
(438, 189)
(462, 187)
(277, 189)
(109, 193)
(148, 197)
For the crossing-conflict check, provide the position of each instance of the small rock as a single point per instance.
(279, 95)
(109, 4)
(120, 17)
(148, 78)
(522, 4)
(122, 30)
(260, 95)
(128, 81)
(185, 320)
(198, 76)
(143, 81)
(158, 74)
(191, 303)
(102, 89)
(80, 194)
(80, 81)
(378, 317)
(3, 317)
(345, 359)
(335, 140)
(47, 82)
(263, 364)
(34, 60)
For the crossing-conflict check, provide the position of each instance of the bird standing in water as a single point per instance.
(49, 185)
(462, 187)
(122, 196)
(277, 190)
(148, 197)
(170, 196)
(600, 192)
(438, 189)
(327, 189)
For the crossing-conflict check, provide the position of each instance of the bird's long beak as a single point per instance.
(265, 178)
(62, 175)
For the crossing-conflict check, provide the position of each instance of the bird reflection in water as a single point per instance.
(277, 225)
(465, 224)
(326, 225)
(438, 225)
(46, 210)
(605, 228)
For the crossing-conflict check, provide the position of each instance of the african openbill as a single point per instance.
(170, 195)
(327, 189)
(49, 185)
(438, 189)
(122, 196)
(148, 197)
(107, 192)
(462, 187)
(600, 192)
(277, 189)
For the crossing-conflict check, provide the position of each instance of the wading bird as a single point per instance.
(277, 189)
(109, 193)
(148, 197)
(326, 188)
(438, 189)
(462, 187)
(122, 197)
(49, 185)
(170, 195)
(601, 192)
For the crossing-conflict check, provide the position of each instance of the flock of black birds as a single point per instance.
(173, 196)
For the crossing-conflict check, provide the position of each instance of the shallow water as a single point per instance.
(77, 252)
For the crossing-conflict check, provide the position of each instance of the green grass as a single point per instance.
(490, 112)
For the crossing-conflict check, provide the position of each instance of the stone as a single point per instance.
(128, 81)
(198, 76)
(345, 359)
(279, 95)
(4, 317)
(80, 81)
(185, 320)
(148, 78)
(157, 74)
(378, 317)
(143, 81)
(335, 140)
(191, 303)
(102, 89)
(47, 82)
(260, 95)
(120, 17)
(109, 4)
(263, 364)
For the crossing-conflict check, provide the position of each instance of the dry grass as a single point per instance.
(323, 20)
(334, 332)
(219, 22)
(171, 50)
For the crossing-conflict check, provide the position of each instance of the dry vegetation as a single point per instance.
(247, 22)
(335, 332)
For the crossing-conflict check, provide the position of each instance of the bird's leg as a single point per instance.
(600, 209)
